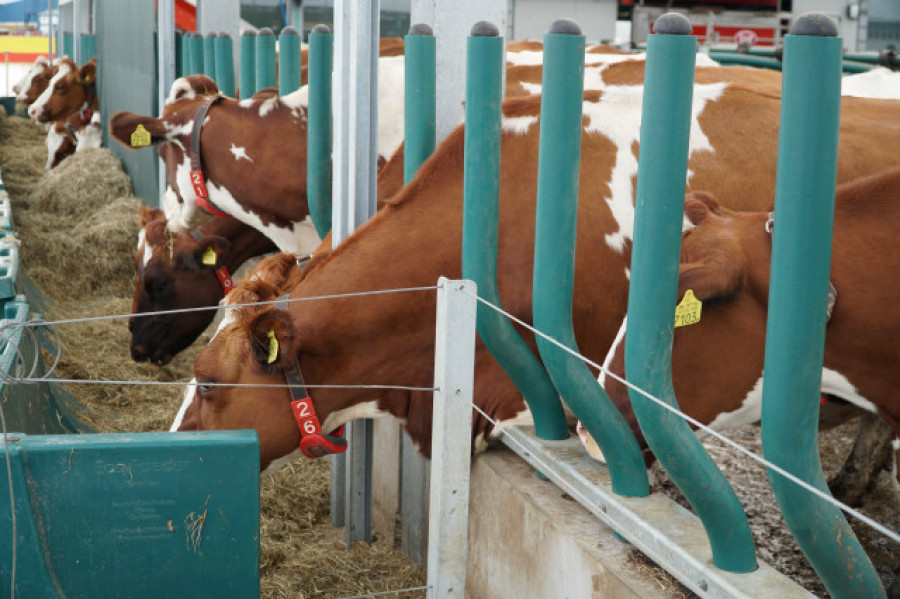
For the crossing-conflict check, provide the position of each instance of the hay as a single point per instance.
(78, 227)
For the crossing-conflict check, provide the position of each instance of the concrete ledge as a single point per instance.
(529, 540)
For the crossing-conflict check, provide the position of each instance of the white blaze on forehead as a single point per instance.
(517, 124)
(38, 105)
(24, 84)
(185, 404)
(617, 116)
(240, 153)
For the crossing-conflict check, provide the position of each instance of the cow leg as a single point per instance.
(871, 451)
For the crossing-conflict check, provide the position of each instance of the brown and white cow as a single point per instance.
(253, 155)
(70, 107)
(717, 363)
(35, 81)
(389, 339)
(183, 271)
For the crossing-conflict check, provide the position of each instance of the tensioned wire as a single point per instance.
(31, 324)
(894, 536)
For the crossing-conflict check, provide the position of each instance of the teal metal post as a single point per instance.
(795, 332)
(659, 213)
(288, 61)
(419, 98)
(196, 44)
(185, 64)
(265, 59)
(248, 64)
(481, 209)
(318, 128)
(225, 64)
(209, 56)
(554, 258)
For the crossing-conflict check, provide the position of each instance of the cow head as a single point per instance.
(35, 81)
(724, 262)
(170, 135)
(71, 89)
(254, 346)
(173, 272)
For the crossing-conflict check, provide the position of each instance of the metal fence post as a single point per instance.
(451, 439)
(225, 64)
(209, 55)
(288, 61)
(196, 43)
(265, 59)
(318, 128)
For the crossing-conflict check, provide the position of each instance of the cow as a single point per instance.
(70, 107)
(35, 81)
(159, 336)
(717, 363)
(180, 272)
(240, 155)
(389, 339)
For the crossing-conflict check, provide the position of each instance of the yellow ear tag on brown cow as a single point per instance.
(273, 347)
(140, 137)
(209, 257)
(688, 311)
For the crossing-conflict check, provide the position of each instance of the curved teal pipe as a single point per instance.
(318, 129)
(554, 261)
(289, 61)
(419, 99)
(225, 64)
(248, 65)
(659, 213)
(265, 59)
(798, 291)
(481, 198)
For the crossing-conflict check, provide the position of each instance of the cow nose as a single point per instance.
(138, 353)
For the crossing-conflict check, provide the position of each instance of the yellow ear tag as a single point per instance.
(688, 311)
(209, 257)
(140, 137)
(87, 78)
(273, 347)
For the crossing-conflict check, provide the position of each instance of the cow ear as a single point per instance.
(134, 131)
(210, 250)
(273, 340)
(700, 204)
(87, 74)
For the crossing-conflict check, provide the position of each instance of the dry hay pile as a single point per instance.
(78, 229)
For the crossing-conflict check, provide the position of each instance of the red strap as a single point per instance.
(225, 279)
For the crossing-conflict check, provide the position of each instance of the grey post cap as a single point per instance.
(420, 29)
(565, 27)
(321, 28)
(249, 31)
(224, 34)
(673, 23)
(814, 23)
(265, 31)
(212, 34)
(485, 29)
(289, 31)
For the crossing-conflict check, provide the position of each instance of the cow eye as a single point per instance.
(59, 87)
(204, 387)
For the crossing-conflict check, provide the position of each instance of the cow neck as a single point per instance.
(222, 273)
(198, 177)
(313, 443)
(90, 96)
(832, 290)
